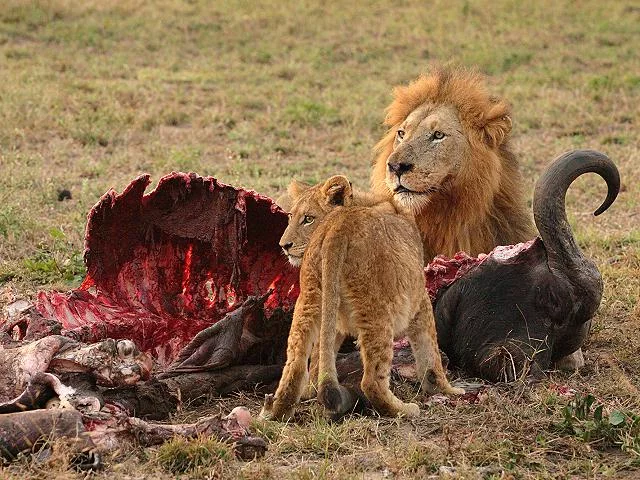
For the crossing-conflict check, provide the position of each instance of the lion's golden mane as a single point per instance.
(482, 205)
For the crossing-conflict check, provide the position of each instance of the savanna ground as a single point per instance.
(95, 92)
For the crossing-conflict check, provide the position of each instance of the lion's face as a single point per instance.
(446, 157)
(310, 205)
(429, 149)
(304, 217)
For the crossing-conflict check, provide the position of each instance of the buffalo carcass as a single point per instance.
(522, 308)
(166, 265)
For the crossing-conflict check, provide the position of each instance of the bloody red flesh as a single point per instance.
(165, 265)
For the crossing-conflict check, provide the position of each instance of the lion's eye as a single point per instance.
(438, 135)
(400, 134)
(308, 219)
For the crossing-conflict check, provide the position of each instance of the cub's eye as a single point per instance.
(308, 220)
(438, 135)
(400, 134)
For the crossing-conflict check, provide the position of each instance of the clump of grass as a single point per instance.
(601, 82)
(184, 159)
(175, 118)
(515, 59)
(268, 429)
(30, 14)
(306, 112)
(424, 458)
(181, 455)
(586, 419)
(615, 140)
(9, 221)
(632, 81)
(44, 266)
(17, 54)
(317, 436)
(51, 261)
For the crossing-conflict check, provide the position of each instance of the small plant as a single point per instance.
(53, 261)
(423, 457)
(10, 224)
(586, 419)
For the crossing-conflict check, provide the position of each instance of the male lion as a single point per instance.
(446, 157)
(362, 275)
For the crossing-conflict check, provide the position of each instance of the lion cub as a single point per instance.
(362, 275)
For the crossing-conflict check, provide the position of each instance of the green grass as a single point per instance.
(93, 93)
(180, 455)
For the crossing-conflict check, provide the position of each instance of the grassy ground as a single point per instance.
(94, 92)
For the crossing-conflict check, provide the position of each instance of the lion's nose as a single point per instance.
(286, 246)
(399, 168)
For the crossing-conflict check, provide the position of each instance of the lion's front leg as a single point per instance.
(424, 343)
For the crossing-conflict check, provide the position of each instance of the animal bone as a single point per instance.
(30, 372)
(107, 431)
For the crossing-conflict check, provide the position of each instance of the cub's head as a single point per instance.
(446, 134)
(309, 206)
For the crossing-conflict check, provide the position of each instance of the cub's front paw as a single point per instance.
(456, 391)
(267, 409)
(274, 410)
(409, 410)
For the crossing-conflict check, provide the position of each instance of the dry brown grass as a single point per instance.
(94, 92)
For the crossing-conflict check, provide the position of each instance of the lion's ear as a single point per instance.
(498, 124)
(338, 191)
(297, 188)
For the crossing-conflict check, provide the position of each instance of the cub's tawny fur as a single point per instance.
(446, 157)
(361, 275)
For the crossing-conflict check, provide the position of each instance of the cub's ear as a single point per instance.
(338, 191)
(497, 124)
(297, 188)
(284, 201)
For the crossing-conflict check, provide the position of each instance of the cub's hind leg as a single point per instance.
(424, 343)
(376, 350)
(333, 396)
(295, 375)
(312, 388)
